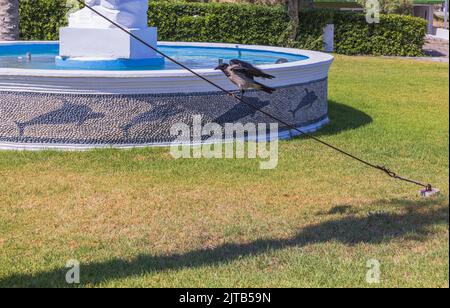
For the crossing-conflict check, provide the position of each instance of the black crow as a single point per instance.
(243, 75)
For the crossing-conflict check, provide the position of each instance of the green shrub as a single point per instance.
(41, 19)
(250, 24)
(352, 34)
(213, 22)
(395, 35)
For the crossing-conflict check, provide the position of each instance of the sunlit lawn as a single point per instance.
(141, 218)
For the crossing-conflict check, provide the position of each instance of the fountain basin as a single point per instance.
(45, 106)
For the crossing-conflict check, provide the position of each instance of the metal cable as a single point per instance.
(290, 126)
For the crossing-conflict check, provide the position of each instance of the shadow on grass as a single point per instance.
(343, 118)
(349, 230)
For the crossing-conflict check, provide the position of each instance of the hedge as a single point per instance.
(396, 35)
(41, 19)
(214, 22)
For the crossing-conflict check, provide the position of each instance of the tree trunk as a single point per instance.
(9, 20)
(293, 11)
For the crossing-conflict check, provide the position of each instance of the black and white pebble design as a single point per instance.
(145, 119)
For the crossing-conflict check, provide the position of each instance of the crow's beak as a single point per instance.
(217, 68)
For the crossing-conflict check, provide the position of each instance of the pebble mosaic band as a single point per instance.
(102, 120)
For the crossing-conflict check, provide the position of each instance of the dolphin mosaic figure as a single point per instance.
(68, 114)
(158, 113)
(307, 101)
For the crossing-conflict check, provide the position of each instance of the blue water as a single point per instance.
(43, 56)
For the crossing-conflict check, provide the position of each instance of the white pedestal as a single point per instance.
(328, 38)
(106, 43)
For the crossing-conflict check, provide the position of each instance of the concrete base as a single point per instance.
(442, 34)
(106, 43)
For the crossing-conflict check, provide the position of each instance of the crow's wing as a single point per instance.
(240, 72)
(243, 64)
(248, 69)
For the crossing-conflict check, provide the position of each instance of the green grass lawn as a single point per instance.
(139, 218)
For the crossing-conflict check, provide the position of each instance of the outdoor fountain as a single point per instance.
(98, 87)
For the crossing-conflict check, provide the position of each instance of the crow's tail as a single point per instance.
(264, 88)
(21, 127)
